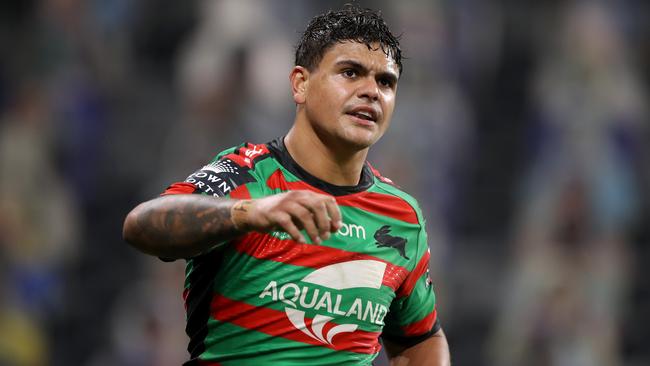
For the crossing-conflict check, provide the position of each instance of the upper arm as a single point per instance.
(229, 176)
(434, 350)
(412, 317)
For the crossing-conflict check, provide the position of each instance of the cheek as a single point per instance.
(329, 98)
(389, 105)
(335, 90)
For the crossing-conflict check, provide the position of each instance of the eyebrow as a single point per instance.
(391, 76)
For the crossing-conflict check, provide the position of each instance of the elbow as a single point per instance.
(131, 231)
(137, 231)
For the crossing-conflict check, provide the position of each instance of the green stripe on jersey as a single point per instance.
(232, 345)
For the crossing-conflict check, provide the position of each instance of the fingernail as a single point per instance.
(317, 241)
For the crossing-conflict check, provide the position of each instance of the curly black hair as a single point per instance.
(348, 24)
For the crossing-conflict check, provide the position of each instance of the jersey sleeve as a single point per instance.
(412, 316)
(228, 175)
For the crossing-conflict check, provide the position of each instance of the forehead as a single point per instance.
(372, 58)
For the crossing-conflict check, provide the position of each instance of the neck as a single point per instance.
(326, 161)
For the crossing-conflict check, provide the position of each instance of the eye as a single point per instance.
(385, 82)
(349, 73)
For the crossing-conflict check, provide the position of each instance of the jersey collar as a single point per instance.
(281, 154)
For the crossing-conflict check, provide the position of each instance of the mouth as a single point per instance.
(364, 113)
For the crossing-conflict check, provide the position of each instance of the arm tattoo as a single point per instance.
(242, 206)
(239, 215)
(181, 225)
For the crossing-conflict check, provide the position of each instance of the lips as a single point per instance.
(365, 113)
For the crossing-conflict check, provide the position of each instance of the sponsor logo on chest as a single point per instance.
(330, 300)
(346, 231)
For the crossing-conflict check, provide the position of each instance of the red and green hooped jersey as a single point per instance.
(264, 299)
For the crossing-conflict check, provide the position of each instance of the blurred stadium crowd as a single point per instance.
(521, 126)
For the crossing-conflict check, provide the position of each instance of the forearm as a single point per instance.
(433, 351)
(180, 226)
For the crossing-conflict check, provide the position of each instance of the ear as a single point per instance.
(299, 78)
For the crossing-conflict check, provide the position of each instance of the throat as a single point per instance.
(323, 161)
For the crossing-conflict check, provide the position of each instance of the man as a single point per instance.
(298, 252)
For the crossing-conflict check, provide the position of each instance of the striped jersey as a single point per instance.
(265, 299)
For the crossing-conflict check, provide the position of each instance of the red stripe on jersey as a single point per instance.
(186, 292)
(377, 203)
(241, 192)
(278, 181)
(267, 247)
(208, 363)
(421, 326)
(180, 188)
(409, 284)
(379, 176)
(374, 171)
(382, 204)
(275, 323)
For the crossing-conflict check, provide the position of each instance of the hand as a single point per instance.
(317, 214)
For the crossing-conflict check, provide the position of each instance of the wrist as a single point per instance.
(239, 215)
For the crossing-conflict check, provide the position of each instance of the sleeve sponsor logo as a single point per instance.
(222, 166)
(255, 150)
(220, 178)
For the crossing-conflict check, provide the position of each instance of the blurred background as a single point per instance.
(521, 126)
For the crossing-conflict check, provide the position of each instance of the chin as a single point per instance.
(362, 140)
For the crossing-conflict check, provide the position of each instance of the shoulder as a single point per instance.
(399, 196)
(398, 204)
(243, 158)
(245, 155)
(231, 172)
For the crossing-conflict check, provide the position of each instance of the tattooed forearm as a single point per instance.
(180, 226)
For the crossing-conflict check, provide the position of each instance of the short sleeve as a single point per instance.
(412, 316)
(229, 175)
(225, 176)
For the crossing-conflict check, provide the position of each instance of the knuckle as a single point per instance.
(290, 196)
(305, 197)
(283, 220)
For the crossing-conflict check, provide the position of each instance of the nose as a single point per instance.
(368, 89)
